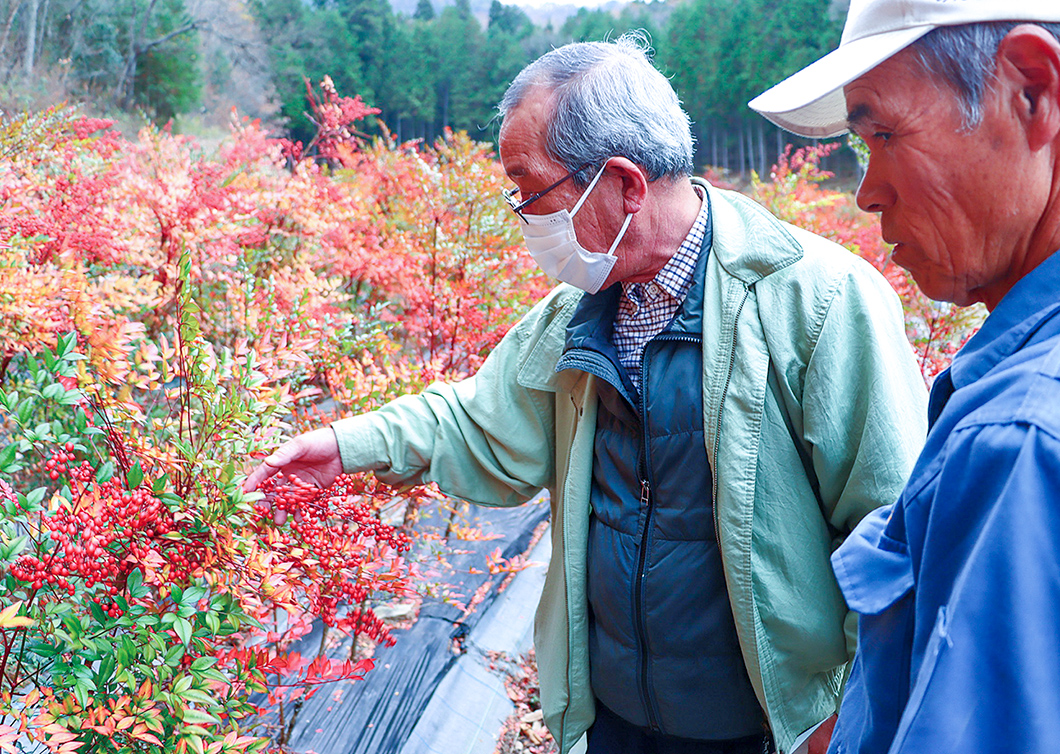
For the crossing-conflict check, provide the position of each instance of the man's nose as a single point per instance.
(875, 193)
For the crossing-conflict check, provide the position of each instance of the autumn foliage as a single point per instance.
(167, 315)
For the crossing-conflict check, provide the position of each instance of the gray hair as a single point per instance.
(608, 100)
(964, 57)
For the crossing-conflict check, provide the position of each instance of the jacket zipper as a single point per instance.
(721, 406)
(647, 502)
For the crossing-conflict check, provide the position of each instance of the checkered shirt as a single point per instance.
(645, 309)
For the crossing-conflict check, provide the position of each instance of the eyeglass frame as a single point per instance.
(518, 207)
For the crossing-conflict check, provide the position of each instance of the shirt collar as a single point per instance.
(676, 275)
(1013, 322)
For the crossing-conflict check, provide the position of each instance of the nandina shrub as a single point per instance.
(146, 590)
(166, 315)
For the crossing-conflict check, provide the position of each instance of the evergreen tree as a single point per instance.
(424, 11)
(508, 19)
(306, 43)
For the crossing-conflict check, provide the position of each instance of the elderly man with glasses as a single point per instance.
(712, 400)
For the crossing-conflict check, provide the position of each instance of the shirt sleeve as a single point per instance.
(988, 597)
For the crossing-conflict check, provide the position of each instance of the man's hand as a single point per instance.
(313, 457)
(820, 738)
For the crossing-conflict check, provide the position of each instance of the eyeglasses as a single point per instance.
(518, 206)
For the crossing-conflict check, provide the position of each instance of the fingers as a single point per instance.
(312, 455)
(273, 464)
(264, 470)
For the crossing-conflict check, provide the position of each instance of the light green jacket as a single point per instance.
(777, 300)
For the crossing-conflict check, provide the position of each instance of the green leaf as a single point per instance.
(174, 655)
(81, 692)
(13, 548)
(97, 612)
(70, 397)
(105, 671)
(66, 344)
(53, 391)
(105, 472)
(160, 484)
(193, 716)
(135, 584)
(135, 476)
(202, 663)
(199, 697)
(192, 595)
(183, 629)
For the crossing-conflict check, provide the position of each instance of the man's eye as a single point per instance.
(882, 135)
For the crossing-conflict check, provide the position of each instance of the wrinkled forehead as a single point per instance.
(524, 130)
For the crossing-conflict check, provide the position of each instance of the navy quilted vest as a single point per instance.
(663, 649)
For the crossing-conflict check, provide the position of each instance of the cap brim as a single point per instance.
(811, 102)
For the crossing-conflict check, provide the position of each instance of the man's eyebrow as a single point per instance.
(858, 116)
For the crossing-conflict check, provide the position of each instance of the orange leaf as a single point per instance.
(9, 617)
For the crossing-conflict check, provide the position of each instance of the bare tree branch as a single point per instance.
(190, 26)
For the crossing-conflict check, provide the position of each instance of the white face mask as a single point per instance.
(552, 243)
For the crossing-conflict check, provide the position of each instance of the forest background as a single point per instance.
(427, 65)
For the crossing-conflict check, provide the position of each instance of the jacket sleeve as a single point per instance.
(486, 439)
(864, 406)
(989, 593)
(864, 400)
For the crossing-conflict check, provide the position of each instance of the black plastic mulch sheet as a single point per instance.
(377, 715)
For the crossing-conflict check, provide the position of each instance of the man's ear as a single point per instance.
(634, 183)
(1028, 58)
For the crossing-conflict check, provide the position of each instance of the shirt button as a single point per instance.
(653, 290)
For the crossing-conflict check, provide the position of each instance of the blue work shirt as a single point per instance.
(958, 583)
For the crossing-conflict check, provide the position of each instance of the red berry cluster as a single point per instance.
(56, 465)
(338, 530)
(101, 535)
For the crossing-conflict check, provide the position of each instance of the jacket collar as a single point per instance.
(1015, 321)
(593, 321)
(749, 242)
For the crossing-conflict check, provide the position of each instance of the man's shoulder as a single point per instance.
(538, 338)
(780, 251)
(552, 311)
(1023, 390)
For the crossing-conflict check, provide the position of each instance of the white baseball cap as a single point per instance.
(811, 102)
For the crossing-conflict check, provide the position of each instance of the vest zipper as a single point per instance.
(647, 503)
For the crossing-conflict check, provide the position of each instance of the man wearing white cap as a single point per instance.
(958, 583)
